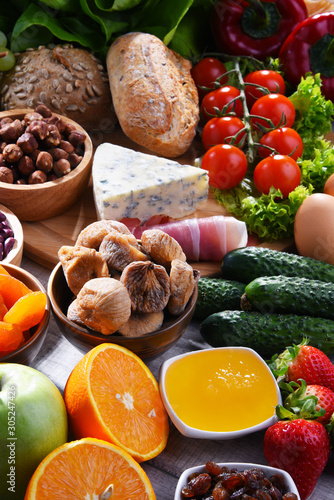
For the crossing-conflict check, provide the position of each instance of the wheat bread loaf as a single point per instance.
(70, 81)
(153, 93)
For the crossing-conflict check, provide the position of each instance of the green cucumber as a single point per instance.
(267, 334)
(246, 264)
(286, 294)
(215, 294)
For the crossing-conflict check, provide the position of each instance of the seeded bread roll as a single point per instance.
(154, 95)
(70, 81)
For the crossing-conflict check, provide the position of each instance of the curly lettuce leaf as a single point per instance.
(314, 113)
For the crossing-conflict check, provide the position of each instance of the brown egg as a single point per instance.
(329, 185)
(314, 227)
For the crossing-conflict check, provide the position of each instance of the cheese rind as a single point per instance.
(131, 184)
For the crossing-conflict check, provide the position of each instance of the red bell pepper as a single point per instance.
(253, 27)
(310, 48)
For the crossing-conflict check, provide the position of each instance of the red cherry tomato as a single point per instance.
(222, 130)
(266, 78)
(220, 98)
(206, 72)
(285, 141)
(275, 107)
(279, 171)
(226, 164)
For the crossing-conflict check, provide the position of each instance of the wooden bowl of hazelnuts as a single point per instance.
(45, 162)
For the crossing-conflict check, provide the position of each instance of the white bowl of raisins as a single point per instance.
(11, 238)
(246, 478)
(45, 162)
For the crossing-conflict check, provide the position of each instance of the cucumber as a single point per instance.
(215, 294)
(246, 264)
(267, 334)
(286, 294)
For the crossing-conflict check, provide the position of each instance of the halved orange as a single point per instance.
(89, 469)
(112, 395)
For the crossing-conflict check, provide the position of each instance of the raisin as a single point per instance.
(213, 468)
(197, 486)
(220, 492)
(262, 495)
(275, 493)
(278, 481)
(234, 481)
(289, 496)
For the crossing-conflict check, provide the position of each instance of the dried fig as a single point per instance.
(118, 251)
(81, 264)
(161, 247)
(92, 235)
(72, 313)
(104, 305)
(148, 285)
(140, 324)
(183, 279)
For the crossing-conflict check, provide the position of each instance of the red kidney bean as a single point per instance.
(7, 238)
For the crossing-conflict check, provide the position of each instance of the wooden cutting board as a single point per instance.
(42, 239)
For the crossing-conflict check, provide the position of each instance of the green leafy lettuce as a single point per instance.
(270, 216)
(95, 24)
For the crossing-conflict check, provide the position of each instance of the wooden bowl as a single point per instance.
(29, 350)
(15, 254)
(41, 201)
(146, 346)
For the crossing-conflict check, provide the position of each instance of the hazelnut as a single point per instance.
(2, 161)
(12, 153)
(74, 159)
(6, 175)
(54, 137)
(26, 166)
(66, 146)
(43, 110)
(58, 154)
(61, 168)
(27, 143)
(56, 120)
(76, 137)
(39, 129)
(37, 177)
(30, 117)
(44, 161)
(10, 132)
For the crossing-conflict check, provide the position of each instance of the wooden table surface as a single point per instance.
(58, 357)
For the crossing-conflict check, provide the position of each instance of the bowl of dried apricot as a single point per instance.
(110, 287)
(24, 315)
(45, 162)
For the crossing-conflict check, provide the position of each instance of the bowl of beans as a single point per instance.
(45, 162)
(214, 480)
(11, 238)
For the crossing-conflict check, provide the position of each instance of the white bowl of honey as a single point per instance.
(219, 393)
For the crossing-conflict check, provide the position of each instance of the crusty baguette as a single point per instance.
(154, 95)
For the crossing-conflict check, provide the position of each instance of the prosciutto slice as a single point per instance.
(207, 238)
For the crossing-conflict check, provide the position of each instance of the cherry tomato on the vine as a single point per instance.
(220, 98)
(275, 107)
(222, 130)
(226, 164)
(206, 72)
(266, 78)
(285, 141)
(279, 171)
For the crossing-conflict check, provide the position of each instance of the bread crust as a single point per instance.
(69, 81)
(153, 93)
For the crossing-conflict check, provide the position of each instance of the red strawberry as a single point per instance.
(308, 401)
(304, 362)
(301, 448)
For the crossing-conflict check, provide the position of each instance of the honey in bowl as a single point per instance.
(220, 390)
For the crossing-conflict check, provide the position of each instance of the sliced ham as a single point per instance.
(207, 238)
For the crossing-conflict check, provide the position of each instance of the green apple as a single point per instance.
(33, 422)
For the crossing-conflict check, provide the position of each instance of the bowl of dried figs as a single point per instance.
(45, 162)
(111, 287)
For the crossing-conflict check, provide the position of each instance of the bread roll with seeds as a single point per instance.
(70, 81)
(154, 95)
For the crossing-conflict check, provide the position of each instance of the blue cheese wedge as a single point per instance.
(131, 184)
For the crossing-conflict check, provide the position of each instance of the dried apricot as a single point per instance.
(11, 337)
(12, 289)
(3, 270)
(3, 308)
(27, 311)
